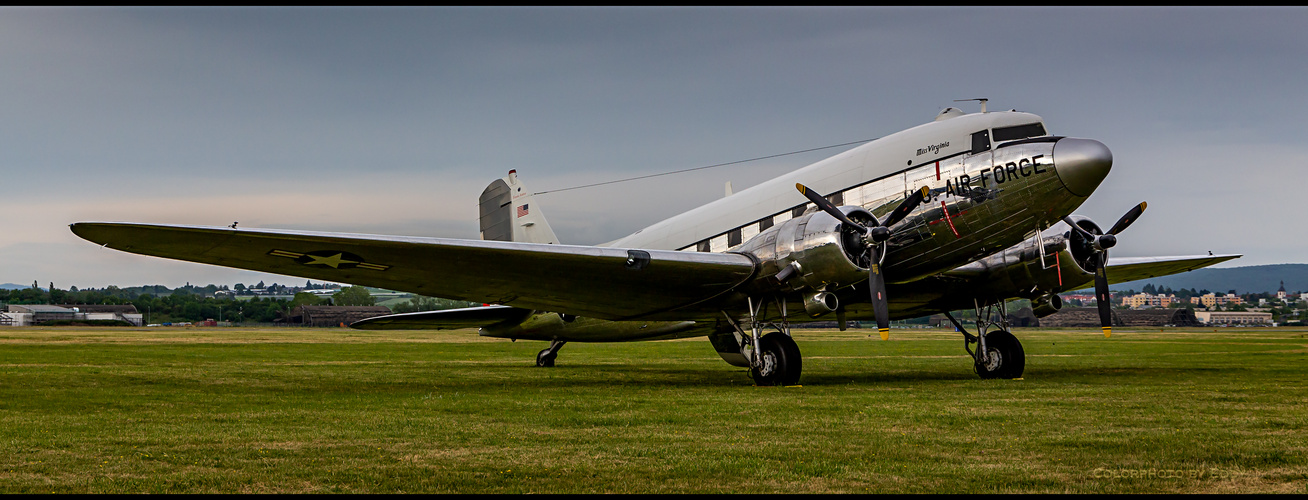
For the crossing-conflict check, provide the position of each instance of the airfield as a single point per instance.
(309, 410)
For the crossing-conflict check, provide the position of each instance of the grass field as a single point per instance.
(107, 410)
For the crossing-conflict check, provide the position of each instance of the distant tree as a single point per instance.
(307, 299)
(353, 296)
(260, 285)
(1149, 289)
(57, 296)
(418, 303)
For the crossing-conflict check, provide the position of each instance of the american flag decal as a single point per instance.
(522, 210)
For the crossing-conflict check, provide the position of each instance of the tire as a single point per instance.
(782, 363)
(1007, 358)
(544, 359)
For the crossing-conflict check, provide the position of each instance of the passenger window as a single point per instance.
(733, 237)
(702, 246)
(764, 224)
(981, 141)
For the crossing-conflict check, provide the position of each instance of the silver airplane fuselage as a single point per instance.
(994, 180)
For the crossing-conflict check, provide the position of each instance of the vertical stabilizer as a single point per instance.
(508, 213)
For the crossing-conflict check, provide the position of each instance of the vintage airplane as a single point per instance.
(966, 211)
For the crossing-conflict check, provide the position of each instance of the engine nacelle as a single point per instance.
(811, 252)
(1030, 270)
(1083, 249)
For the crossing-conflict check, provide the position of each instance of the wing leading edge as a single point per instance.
(1124, 269)
(597, 282)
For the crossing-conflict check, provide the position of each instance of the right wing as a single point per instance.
(959, 288)
(596, 282)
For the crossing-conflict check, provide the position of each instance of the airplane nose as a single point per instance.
(1082, 164)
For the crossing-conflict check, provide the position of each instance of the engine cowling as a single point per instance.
(811, 252)
(1082, 248)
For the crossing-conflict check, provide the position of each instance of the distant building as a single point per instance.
(1210, 299)
(1089, 317)
(1280, 292)
(1144, 300)
(332, 315)
(1081, 297)
(1234, 318)
(37, 314)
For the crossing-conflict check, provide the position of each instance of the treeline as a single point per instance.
(161, 304)
(182, 304)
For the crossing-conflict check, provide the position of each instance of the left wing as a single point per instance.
(597, 282)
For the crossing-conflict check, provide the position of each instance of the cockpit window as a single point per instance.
(980, 141)
(1019, 132)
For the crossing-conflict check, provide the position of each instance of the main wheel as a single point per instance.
(781, 363)
(545, 358)
(1005, 359)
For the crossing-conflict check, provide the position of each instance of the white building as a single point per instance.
(1234, 318)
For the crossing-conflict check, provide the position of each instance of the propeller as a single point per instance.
(1100, 243)
(874, 237)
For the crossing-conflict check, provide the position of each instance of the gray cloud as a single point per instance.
(390, 120)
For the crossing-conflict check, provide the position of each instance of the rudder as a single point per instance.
(508, 213)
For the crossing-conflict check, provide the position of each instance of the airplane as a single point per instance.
(967, 211)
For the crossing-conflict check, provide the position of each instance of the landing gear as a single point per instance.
(545, 358)
(773, 359)
(779, 362)
(1004, 357)
(998, 353)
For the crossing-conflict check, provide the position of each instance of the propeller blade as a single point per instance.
(1126, 220)
(826, 206)
(906, 206)
(877, 283)
(1102, 298)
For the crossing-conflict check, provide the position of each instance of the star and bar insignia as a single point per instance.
(334, 259)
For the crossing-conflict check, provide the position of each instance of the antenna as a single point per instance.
(982, 99)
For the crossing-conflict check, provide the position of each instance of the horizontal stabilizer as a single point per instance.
(448, 319)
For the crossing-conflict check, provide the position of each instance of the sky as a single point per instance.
(393, 120)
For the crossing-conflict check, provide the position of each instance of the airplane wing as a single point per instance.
(597, 282)
(447, 319)
(1124, 269)
(957, 289)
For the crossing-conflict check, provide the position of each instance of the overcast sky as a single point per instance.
(392, 121)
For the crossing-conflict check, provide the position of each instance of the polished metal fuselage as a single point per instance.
(980, 203)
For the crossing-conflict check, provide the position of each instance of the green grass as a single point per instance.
(167, 410)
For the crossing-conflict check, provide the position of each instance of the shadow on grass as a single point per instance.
(581, 376)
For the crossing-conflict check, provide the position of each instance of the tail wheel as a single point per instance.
(780, 361)
(545, 358)
(1005, 358)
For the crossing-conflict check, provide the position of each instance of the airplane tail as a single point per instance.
(508, 213)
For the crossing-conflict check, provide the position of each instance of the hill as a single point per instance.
(13, 286)
(1247, 279)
